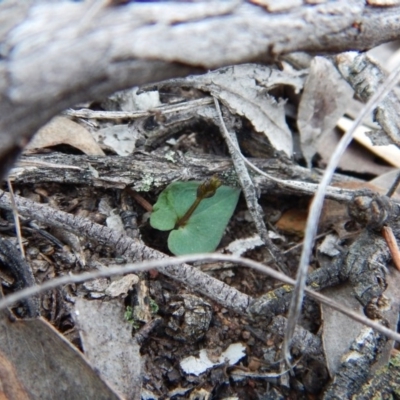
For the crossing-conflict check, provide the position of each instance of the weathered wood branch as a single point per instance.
(54, 55)
(145, 172)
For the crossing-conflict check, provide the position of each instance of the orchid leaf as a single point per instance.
(203, 230)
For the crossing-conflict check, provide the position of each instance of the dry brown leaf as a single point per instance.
(244, 90)
(61, 130)
(10, 386)
(46, 365)
(386, 180)
(323, 102)
(108, 344)
(355, 159)
(338, 329)
(390, 153)
(293, 221)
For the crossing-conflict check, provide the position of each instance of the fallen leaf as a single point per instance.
(244, 90)
(45, 364)
(293, 221)
(10, 386)
(355, 159)
(61, 130)
(119, 138)
(323, 102)
(121, 287)
(386, 181)
(339, 330)
(108, 344)
(390, 153)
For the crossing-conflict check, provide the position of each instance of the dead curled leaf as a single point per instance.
(244, 90)
(61, 130)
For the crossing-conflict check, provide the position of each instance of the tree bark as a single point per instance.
(145, 172)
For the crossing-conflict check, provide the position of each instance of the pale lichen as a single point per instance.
(170, 156)
(147, 183)
(229, 178)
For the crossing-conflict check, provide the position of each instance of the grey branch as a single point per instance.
(365, 76)
(249, 190)
(145, 172)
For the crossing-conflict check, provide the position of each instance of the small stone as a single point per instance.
(246, 335)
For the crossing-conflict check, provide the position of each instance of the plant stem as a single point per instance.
(182, 221)
(206, 190)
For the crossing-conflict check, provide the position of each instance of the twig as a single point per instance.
(249, 191)
(140, 199)
(165, 109)
(394, 186)
(365, 76)
(391, 241)
(172, 267)
(16, 219)
(11, 259)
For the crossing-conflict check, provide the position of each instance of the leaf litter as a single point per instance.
(45, 364)
(246, 91)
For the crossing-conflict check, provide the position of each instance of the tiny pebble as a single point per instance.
(246, 335)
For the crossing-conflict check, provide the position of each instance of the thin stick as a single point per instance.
(164, 109)
(249, 191)
(140, 199)
(132, 249)
(16, 219)
(391, 241)
(394, 186)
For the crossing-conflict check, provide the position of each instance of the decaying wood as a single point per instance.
(56, 55)
(303, 340)
(11, 260)
(356, 365)
(385, 381)
(365, 76)
(145, 172)
(80, 56)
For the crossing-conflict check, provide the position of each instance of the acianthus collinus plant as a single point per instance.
(196, 214)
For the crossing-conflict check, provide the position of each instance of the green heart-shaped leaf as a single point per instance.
(204, 229)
